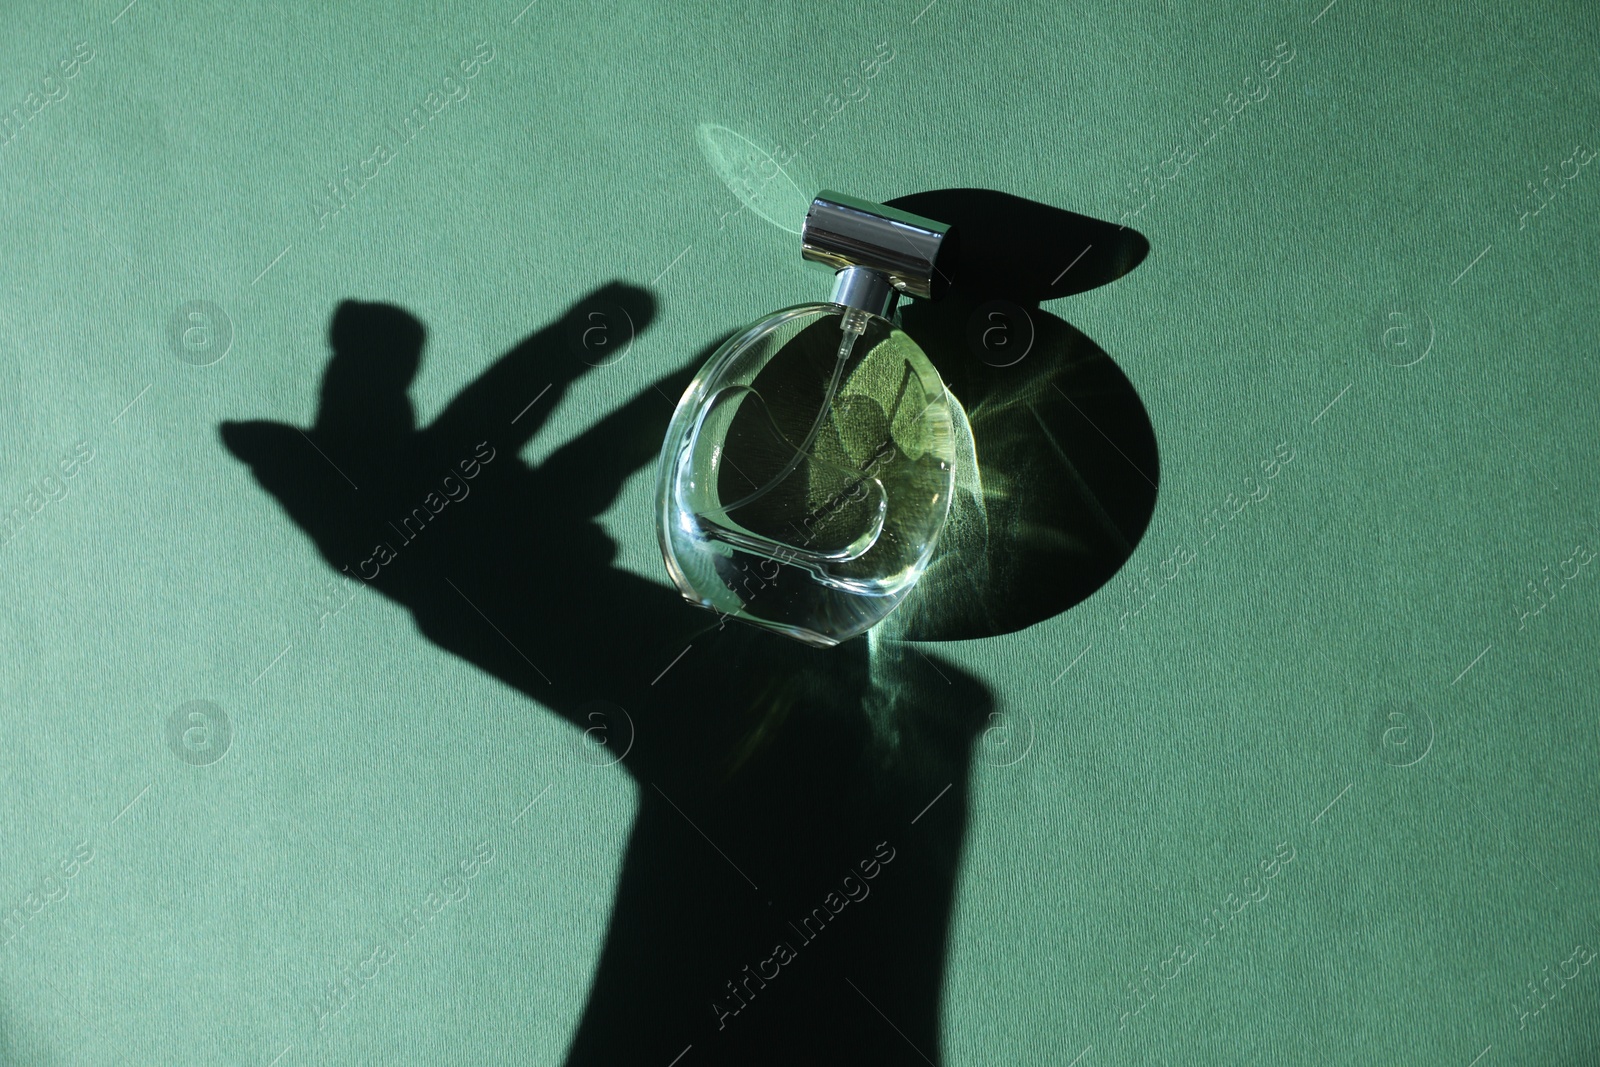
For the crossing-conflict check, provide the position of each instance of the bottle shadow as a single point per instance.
(785, 894)
(1065, 474)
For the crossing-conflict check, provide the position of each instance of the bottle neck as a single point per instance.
(866, 289)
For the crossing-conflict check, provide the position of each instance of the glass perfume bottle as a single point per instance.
(807, 471)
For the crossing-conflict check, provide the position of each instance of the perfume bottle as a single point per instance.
(807, 471)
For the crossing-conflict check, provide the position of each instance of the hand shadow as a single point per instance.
(786, 891)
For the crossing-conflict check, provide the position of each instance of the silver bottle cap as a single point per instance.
(907, 252)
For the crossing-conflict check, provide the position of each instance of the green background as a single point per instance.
(1366, 213)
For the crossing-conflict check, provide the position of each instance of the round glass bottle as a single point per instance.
(807, 472)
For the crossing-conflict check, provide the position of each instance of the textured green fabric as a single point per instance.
(1374, 679)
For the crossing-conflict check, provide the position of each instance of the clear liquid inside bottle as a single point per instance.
(807, 473)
